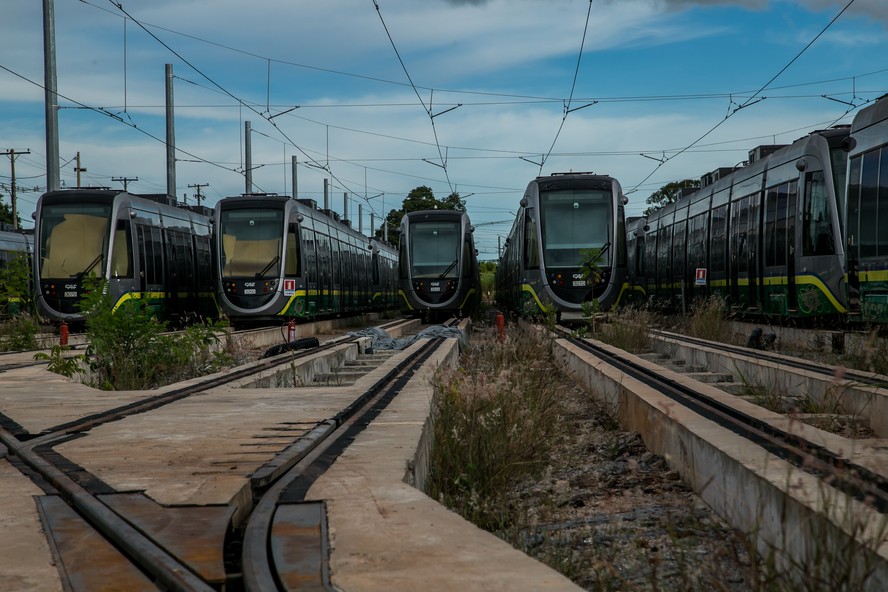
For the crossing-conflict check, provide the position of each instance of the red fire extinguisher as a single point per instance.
(63, 334)
(291, 330)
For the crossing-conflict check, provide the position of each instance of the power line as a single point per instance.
(751, 100)
(428, 109)
(533, 98)
(573, 86)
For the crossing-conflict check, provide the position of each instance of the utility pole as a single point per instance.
(124, 180)
(51, 98)
(11, 153)
(78, 170)
(248, 159)
(170, 133)
(198, 186)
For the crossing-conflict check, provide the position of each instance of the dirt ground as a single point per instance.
(612, 516)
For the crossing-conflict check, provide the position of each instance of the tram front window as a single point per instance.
(73, 240)
(251, 243)
(434, 250)
(576, 225)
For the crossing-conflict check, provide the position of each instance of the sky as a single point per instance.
(382, 96)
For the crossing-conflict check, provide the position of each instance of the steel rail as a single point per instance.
(150, 403)
(138, 548)
(850, 478)
(303, 471)
(865, 378)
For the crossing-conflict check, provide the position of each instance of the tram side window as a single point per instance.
(869, 205)
(718, 244)
(817, 236)
(149, 240)
(883, 199)
(650, 254)
(780, 225)
(467, 256)
(621, 240)
(121, 254)
(664, 250)
(697, 241)
(310, 253)
(739, 222)
(292, 253)
(639, 256)
(402, 260)
(679, 264)
(531, 245)
(770, 225)
(775, 225)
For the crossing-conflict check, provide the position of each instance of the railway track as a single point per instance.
(860, 397)
(145, 544)
(767, 474)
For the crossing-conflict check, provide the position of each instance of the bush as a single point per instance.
(495, 419)
(19, 333)
(708, 319)
(129, 349)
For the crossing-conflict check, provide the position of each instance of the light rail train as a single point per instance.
(567, 246)
(438, 265)
(799, 232)
(14, 244)
(143, 247)
(279, 258)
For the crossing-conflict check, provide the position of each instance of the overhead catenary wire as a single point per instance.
(105, 112)
(428, 109)
(751, 100)
(533, 98)
(567, 109)
(119, 6)
(453, 154)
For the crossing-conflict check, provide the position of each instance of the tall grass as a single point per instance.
(871, 356)
(496, 418)
(129, 348)
(19, 333)
(629, 330)
(709, 320)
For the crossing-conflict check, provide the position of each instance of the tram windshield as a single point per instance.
(73, 240)
(251, 243)
(576, 224)
(434, 249)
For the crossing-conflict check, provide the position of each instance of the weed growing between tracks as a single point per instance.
(496, 418)
(129, 348)
(19, 333)
(522, 451)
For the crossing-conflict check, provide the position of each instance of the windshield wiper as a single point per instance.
(449, 267)
(604, 249)
(89, 267)
(268, 267)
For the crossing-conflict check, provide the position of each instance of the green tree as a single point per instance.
(668, 193)
(6, 213)
(15, 286)
(488, 276)
(420, 198)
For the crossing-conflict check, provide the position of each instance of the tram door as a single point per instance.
(754, 240)
(778, 243)
(792, 301)
(853, 232)
(739, 259)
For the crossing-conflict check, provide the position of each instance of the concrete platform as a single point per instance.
(26, 563)
(796, 520)
(385, 532)
(387, 535)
